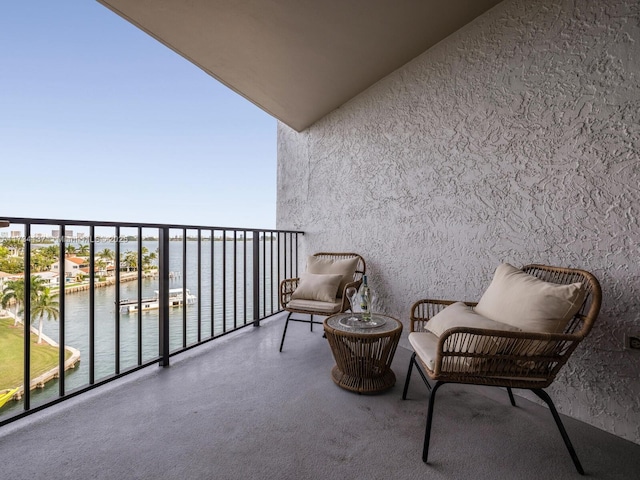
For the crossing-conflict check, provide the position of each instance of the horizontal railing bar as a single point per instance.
(88, 223)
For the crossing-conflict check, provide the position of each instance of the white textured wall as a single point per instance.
(515, 139)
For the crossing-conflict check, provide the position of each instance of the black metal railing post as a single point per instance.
(184, 287)
(61, 314)
(163, 296)
(256, 278)
(140, 277)
(117, 309)
(92, 304)
(27, 317)
(199, 253)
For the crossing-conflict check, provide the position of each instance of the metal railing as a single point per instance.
(234, 274)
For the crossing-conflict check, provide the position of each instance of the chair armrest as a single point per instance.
(287, 286)
(423, 310)
(523, 356)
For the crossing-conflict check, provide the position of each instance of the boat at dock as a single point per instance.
(177, 298)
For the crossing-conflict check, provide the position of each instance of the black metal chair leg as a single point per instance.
(544, 396)
(513, 400)
(406, 382)
(424, 377)
(311, 323)
(285, 331)
(427, 432)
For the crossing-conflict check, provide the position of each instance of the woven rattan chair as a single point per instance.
(500, 358)
(322, 308)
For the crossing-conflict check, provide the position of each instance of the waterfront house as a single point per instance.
(438, 141)
(73, 266)
(100, 271)
(49, 278)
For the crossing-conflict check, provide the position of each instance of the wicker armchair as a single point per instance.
(322, 308)
(509, 359)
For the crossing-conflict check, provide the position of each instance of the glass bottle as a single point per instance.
(365, 300)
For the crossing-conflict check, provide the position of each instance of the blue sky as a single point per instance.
(99, 121)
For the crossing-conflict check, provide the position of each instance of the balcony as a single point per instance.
(229, 405)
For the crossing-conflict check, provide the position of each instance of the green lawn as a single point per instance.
(44, 357)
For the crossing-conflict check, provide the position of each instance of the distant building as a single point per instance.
(49, 278)
(56, 233)
(16, 233)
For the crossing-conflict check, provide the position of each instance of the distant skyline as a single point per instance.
(99, 121)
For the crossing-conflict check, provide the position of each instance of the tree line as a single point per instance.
(42, 258)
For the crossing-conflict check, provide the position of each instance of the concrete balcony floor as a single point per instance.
(238, 409)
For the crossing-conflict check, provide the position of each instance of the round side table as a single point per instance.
(363, 355)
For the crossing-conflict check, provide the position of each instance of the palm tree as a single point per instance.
(45, 304)
(13, 293)
(83, 250)
(70, 250)
(14, 290)
(37, 286)
(101, 266)
(107, 255)
(148, 258)
(130, 259)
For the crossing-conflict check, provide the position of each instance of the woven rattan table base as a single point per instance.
(362, 384)
(363, 355)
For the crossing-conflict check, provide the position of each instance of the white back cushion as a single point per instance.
(528, 303)
(321, 287)
(345, 267)
(460, 315)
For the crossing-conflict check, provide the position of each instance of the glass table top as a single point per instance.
(378, 323)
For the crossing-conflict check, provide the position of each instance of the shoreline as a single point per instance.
(41, 380)
(126, 277)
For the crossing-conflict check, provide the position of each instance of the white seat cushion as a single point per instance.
(315, 306)
(425, 344)
(528, 303)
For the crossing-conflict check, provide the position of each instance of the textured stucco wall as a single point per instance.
(516, 139)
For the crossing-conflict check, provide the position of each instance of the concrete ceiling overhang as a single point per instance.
(299, 59)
